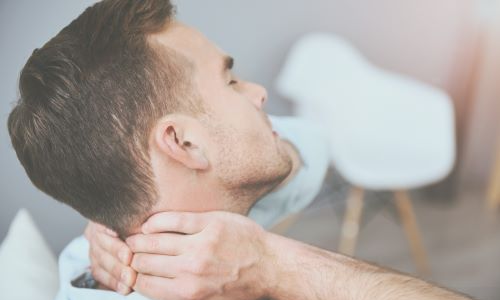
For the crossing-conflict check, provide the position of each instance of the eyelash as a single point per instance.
(233, 82)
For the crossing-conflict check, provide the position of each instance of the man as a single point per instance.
(132, 118)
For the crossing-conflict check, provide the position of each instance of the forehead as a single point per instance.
(189, 42)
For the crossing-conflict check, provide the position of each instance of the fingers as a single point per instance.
(180, 222)
(111, 265)
(104, 278)
(115, 247)
(109, 281)
(110, 258)
(157, 265)
(160, 288)
(111, 272)
(158, 243)
(156, 287)
(93, 228)
(90, 230)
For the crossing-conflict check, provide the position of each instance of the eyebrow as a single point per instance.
(227, 64)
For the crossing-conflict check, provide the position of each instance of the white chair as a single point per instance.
(387, 131)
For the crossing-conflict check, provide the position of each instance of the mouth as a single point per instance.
(268, 121)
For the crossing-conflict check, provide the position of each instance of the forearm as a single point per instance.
(306, 272)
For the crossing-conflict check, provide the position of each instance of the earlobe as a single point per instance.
(201, 159)
(170, 140)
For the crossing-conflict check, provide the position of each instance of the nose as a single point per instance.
(257, 94)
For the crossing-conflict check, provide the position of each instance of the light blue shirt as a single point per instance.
(269, 210)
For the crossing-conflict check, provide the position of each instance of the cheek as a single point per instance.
(257, 149)
(240, 135)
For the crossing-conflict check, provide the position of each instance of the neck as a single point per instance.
(198, 195)
(296, 160)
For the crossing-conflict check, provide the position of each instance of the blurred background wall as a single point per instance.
(453, 44)
(483, 131)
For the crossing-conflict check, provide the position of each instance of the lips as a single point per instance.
(268, 122)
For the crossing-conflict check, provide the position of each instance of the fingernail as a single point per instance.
(111, 232)
(124, 277)
(122, 289)
(145, 228)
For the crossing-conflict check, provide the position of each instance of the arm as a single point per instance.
(306, 272)
(225, 256)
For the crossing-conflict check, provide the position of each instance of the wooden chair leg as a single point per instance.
(352, 217)
(494, 186)
(405, 208)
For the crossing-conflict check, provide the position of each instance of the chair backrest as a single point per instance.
(372, 116)
(317, 61)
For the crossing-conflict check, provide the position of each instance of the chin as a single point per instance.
(286, 157)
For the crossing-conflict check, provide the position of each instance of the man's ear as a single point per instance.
(171, 136)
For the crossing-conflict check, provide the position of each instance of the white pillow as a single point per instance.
(28, 269)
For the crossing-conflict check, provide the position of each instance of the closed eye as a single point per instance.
(233, 82)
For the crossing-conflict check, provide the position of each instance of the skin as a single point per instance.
(224, 159)
(228, 153)
(190, 248)
(221, 255)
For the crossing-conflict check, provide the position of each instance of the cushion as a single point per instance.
(28, 267)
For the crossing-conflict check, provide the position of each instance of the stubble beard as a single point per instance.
(247, 175)
(252, 184)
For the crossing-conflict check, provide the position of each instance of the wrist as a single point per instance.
(280, 267)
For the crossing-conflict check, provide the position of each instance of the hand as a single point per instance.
(214, 255)
(110, 259)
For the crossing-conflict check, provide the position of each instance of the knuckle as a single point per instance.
(102, 277)
(139, 262)
(116, 270)
(127, 276)
(178, 221)
(143, 283)
(132, 242)
(210, 243)
(154, 244)
(136, 262)
(93, 264)
(193, 291)
(94, 251)
(98, 239)
(118, 245)
(94, 258)
(122, 253)
(199, 266)
(91, 252)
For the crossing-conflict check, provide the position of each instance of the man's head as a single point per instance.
(127, 112)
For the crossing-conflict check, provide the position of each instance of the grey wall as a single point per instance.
(24, 26)
(422, 38)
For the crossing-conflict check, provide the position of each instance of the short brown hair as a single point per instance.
(88, 101)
